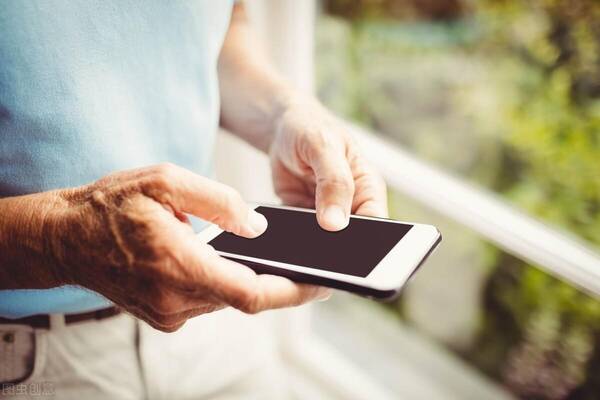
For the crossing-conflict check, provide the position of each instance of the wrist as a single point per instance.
(283, 99)
(25, 259)
(54, 227)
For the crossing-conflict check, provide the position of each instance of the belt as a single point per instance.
(42, 321)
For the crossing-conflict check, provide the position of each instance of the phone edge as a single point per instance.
(302, 277)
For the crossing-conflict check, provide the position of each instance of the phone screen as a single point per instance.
(294, 237)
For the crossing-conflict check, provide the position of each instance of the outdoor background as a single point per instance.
(505, 94)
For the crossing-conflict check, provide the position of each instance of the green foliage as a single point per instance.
(386, 9)
(506, 93)
(554, 128)
(554, 115)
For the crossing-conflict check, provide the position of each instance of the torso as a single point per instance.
(90, 88)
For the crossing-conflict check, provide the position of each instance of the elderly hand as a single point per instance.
(126, 237)
(315, 162)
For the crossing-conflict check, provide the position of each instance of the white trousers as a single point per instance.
(223, 355)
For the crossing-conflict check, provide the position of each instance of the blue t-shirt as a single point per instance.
(91, 87)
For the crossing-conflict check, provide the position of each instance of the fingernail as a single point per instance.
(258, 223)
(335, 217)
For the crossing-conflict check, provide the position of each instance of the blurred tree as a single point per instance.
(399, 9)
(539, 336)
(554, 125)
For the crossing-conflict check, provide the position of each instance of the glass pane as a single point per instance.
(516, 328)
(507, 95)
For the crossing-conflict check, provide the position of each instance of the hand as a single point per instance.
(126, 236)
(316, 163)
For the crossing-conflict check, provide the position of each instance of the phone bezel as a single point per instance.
(390, 274)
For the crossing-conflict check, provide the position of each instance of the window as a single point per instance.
(506, 95)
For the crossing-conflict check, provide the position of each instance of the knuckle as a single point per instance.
(163, 175)
(166, 168)
(338, 181)
(163, 305)
(158, 325)
(171, 328)
(164, 329)
(232, 198)
(230, 202)
(161, 181)
(152, 318)
(317, 143)
(321, 139)
(162, 320)
(248, 302)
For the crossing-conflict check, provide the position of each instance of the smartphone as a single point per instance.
(373, 257)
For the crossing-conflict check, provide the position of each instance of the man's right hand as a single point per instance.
(126, 237)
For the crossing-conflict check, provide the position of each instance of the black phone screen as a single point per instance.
(294, 237)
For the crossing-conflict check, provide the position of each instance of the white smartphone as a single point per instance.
(373, 257)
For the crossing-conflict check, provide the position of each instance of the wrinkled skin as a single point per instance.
(126, 237)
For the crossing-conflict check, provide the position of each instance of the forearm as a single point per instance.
(24, 242)
(253, 94)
